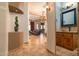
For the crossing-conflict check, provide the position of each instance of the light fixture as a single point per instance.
(68, 5)
(47, 6)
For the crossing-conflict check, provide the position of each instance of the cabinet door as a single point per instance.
(68, 43)
(59, 41)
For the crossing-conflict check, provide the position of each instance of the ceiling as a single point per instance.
(36, 10)
(37, 7)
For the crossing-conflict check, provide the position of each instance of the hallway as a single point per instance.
(35, 47)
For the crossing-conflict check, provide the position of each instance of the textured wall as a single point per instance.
(58, 18)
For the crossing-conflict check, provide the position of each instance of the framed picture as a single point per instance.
(69, 18)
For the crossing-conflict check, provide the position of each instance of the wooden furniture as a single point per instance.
(32, 23)
(15, 40)
(15, 9)
(67, 39)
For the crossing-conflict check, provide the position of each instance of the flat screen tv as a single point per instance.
(69, 18)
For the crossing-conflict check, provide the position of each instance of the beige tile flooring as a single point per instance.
(36, 46)
(65, 52)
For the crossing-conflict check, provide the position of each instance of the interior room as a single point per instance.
(39, 29)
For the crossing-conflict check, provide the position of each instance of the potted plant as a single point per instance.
(16, 24)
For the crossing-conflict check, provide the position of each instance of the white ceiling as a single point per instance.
(36, 9)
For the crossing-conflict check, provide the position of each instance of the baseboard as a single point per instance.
(25, 42)
(51, 52)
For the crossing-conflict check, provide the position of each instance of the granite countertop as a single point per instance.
(68, 31)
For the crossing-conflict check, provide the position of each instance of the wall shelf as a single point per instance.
(15, 9)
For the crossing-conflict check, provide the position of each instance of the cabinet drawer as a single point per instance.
(69, 38)
(59, 36)
(67, 43)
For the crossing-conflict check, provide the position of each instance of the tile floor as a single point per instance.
(37, 47)
(65, 52)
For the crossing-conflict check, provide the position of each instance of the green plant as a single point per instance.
(16, 24)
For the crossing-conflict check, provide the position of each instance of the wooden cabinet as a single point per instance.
(67, 40)
(15, 40)
(59, 39)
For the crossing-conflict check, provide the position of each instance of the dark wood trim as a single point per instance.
(15, 10)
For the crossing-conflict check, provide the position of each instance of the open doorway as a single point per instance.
(37, 18)
(38, 27)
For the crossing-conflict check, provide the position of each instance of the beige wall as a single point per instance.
(45, 27)
(4, 16)
(51, 40)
